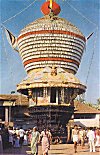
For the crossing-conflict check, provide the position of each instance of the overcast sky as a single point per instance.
(82, 13)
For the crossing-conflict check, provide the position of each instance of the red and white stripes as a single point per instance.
(43, 48)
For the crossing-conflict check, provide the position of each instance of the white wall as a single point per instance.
(95, 122)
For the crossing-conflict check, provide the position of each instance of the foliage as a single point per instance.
(98, 101)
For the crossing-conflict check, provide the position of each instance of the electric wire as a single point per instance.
(19, 12)
(5, 50)
(3, 27)
(10, 68)
(94, 46)
(81, 14)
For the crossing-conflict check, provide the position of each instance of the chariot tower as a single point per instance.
(51, 49)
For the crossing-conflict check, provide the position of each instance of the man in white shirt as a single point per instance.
(21, 134)
(91, 137)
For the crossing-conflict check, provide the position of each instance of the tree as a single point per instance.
(98, 101)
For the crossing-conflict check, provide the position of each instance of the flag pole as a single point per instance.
(51, 4)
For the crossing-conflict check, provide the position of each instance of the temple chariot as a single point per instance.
(51, 49)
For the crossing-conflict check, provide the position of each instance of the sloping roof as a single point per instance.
(19, 99)
(81, 108)
(44, 78)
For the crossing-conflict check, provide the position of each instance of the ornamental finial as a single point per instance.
(50, 6)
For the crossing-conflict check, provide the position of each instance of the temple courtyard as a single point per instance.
(58, 149)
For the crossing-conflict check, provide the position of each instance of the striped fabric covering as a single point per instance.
(47, 42)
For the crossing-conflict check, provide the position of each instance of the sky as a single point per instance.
(82, 13)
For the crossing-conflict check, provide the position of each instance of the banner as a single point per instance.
(11, 39)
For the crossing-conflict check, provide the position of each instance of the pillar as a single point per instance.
(9, 113)
(45, 92)
(68, 134)
(62, 95)
(49, 91)
(57, 95)
(30, 97)
(6, 114)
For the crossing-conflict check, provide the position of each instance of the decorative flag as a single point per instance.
(11, 39)
(89, 36)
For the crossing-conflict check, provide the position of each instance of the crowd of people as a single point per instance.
(17, 138)
(10, 137)
(91, 136)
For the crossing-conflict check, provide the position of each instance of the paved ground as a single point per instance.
(60, 149)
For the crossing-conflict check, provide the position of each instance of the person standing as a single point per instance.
(45, 135)
(29, 134)
(16, 141)
(1, 146)
(5, 138)
(25, 139)
(82, 135)
(11, 133)
(21, 134)
(91, 139)
(34, 141)
(49, 137)
(75, 135)
(97, 133)
(17, 131)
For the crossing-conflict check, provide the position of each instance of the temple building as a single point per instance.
(51, 49)
(86, 115)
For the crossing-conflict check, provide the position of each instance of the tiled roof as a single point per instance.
(19, 99)
(84, 108)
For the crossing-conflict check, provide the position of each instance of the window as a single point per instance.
(53, 95)
(84, 116)
(38, 92)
